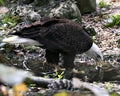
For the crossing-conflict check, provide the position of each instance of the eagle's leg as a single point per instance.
(52, 58)
(68, 59)
(68, 63)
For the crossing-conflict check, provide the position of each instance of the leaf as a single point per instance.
(103, 4)
(19, 89)
(2, 2)
(113, 20)
(61, 94)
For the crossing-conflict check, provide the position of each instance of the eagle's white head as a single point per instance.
(95, 53)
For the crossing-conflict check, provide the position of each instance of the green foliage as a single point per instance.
(10, 20)
(7, 21)
(60, 76)
(103, 4)
(31, 48)
(113, 21)
(2, 2)
(6, 2)
(90, 30)
(56, 74)
(114, 94)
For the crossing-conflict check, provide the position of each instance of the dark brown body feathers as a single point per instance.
(58, 34)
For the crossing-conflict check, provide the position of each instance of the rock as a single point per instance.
(55, 8)
(66, 9)
(86, 6)
(3, 10)
(90, 30)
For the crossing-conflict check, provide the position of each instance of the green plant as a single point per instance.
(114, 94)
(103, 4)
(8, 21)
(60, 76)
(31, 48)
(113, 20)
(56, 74)
(2, 2)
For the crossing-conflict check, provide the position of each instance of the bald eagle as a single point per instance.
(58, 36)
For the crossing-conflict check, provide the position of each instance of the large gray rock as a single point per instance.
(52, 8)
